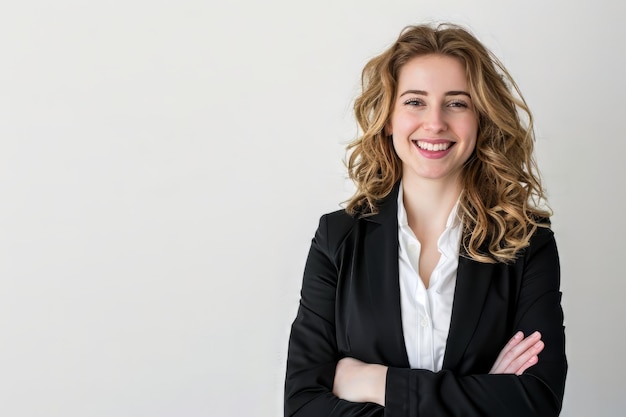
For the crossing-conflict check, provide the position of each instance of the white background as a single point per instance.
(163, 165)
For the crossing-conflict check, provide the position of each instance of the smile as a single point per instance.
(433, 147)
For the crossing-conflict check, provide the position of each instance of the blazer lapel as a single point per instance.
(472, 286)
(381, 245)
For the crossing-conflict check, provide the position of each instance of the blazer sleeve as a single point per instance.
(537, 392)
(313, 354)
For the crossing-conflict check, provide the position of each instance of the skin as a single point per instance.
(433, 104)
(432, 109)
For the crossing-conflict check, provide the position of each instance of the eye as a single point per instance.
(458, 103)
(414, 102)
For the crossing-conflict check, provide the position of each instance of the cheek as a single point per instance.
(470, 132)
(403, 124)
(401, 146)
(396, 144)
(473, 136)
(471, 146)
(471, 149)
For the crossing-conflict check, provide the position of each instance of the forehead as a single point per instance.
(432, 73)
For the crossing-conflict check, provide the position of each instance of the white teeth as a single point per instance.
(433, 146)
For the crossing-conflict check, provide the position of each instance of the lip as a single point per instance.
(433, 154)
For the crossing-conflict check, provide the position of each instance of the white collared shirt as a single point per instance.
(426, 312)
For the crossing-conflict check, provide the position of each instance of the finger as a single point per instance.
(512, 353)
(516, 339)
(532, 361)
(521, 361)
(510, 356)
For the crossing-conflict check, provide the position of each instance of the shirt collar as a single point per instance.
(449, 241)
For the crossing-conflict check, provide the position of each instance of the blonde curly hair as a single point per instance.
(502, 193)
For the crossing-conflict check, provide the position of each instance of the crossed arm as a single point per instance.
(322, 382)
(358, 381)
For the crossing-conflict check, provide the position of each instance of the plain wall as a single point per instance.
(163, 166)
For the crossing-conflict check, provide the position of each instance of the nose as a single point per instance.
(435, 120)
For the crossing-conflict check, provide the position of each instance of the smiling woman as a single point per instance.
(436, 291)
(433, 122)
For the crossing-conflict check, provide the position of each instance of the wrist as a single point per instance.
(379, 381)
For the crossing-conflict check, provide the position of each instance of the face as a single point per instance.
(433, 121)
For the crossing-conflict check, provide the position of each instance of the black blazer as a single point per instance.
(350, 306)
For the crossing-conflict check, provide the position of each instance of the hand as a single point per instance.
(519, 354)
(359, 381)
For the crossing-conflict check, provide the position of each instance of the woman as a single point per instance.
(436, 291)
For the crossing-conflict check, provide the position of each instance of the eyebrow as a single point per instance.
(448, 93)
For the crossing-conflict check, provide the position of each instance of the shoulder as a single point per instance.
(541, 254)
(542, 236)
(340, 228)
(339, 219)
(333, 229)
(536, 237)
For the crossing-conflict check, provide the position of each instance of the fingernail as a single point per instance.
(518, 335)
(538, 345)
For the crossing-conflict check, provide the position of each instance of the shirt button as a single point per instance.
(424, 322)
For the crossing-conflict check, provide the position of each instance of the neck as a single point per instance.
(428, 203)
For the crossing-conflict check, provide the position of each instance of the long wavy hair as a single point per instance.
(502, 201)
